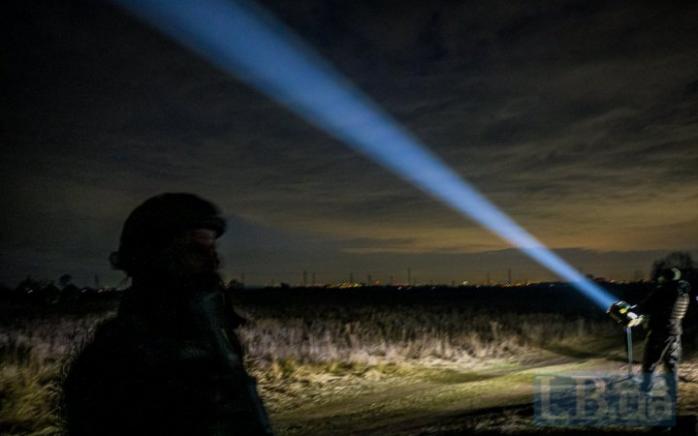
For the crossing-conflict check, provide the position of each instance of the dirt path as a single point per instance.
(437, 400)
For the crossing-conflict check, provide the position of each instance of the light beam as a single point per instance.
(249, 43)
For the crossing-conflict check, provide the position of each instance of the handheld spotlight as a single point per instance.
(623, 313)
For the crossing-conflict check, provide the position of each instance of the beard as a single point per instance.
(190, 266)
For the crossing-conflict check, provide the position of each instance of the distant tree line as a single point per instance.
(64, 291)
(47, 292)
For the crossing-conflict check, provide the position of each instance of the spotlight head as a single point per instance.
(623, 313)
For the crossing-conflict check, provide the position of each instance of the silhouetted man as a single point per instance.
(666, 307)
(170, 362)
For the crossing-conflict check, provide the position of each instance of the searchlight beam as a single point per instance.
(250, 44)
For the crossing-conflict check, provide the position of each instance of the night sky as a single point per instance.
(578, 118)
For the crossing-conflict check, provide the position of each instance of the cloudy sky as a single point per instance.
(577, 118)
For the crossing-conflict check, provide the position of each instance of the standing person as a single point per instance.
(666, 307)
(170, 362)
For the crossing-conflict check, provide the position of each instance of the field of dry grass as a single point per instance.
(299, 357)
(319, 361)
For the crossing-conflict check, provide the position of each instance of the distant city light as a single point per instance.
(249, 43)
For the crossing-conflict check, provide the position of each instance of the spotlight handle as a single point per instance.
(629, 343)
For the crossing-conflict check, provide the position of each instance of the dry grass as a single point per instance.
(29, 398)
(287, 352)
(373, 336)
(32, 356)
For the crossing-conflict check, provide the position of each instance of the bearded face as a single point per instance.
(193, 254)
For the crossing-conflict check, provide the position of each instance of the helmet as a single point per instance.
(155, 223)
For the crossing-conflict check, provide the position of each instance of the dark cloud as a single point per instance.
(579, 118)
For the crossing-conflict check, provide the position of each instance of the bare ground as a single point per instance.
(439, 398)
